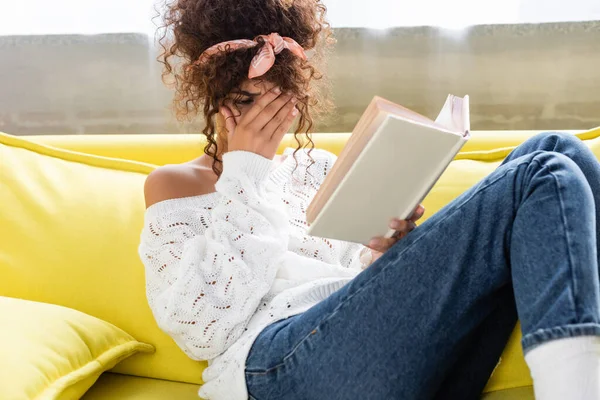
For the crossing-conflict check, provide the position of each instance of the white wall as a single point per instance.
(33, 17)
(559, 10)
(38, 17)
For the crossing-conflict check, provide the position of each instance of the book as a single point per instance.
(391, 161)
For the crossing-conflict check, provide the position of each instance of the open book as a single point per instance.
(391, 161)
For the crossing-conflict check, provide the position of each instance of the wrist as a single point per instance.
(238, 163)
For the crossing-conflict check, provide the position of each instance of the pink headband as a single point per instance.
(264, 59)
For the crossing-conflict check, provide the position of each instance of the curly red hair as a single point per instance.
(192, 26)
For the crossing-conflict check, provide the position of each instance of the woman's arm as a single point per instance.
(207, 269)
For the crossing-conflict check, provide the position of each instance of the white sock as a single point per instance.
(566, 368)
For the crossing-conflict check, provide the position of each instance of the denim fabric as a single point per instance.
(430, 318)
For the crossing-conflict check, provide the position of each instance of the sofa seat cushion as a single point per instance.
(123, 387)
(115, 386)
(50, 352)
(518, 393)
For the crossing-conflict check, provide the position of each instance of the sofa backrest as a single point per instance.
(173, 149)
(69, 229)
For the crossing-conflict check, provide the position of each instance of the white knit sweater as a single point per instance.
(222, 266)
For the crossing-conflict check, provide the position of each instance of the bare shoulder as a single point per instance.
(177, 181)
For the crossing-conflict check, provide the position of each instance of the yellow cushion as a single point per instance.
(51, 352)
(70, 226)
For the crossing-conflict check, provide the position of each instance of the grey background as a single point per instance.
(521, 76)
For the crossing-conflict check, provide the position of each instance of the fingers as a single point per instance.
(402, 225)
(419, 211)
(229, 120)
(381, 244)
(399, 224)
(271, 114)
(282, 121)
(402, 228)
(409, 224)
(261, 104)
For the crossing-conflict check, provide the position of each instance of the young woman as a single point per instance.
(234, 279)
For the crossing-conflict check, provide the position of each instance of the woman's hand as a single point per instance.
(261, 129)
(380, 245)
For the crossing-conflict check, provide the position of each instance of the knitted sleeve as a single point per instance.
(205, 280)
(350, 253)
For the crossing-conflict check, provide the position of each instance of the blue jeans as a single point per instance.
(430, 318)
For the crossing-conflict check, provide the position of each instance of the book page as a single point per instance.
(405, 113)
(454, 116)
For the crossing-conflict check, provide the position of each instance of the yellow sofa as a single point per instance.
(72, 210)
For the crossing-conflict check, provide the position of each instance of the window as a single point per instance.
(87, 67)
(458, 13)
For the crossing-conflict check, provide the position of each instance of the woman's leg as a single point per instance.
(399, 328)
(570, 146)
(489, 339)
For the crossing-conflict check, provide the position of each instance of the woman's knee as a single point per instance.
(562, 170)
(559, 142)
